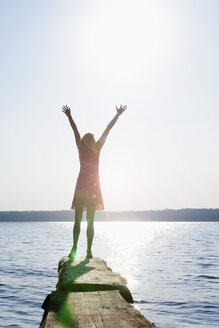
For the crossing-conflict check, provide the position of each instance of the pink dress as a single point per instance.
(87, 191)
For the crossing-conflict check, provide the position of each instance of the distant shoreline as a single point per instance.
(167, 215)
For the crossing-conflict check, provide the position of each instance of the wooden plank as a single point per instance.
(90, 295)
(87, 271)
(105, 309)
(88, 275)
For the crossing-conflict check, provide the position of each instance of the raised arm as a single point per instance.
(67, 112)
(102, 139)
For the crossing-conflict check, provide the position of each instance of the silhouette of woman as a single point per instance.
(87, 194)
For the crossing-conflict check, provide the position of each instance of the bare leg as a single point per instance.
(90, 229)
(76, 230)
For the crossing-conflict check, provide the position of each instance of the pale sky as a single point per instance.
(158, 57)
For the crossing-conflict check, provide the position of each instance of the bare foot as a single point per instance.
(89, 255)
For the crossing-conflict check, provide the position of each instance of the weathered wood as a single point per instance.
(105, 309)
(87, 271)
(90, 295)
(87, 275)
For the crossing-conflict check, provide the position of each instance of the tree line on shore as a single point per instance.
(180, 215)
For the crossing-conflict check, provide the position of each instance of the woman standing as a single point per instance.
(87, 194)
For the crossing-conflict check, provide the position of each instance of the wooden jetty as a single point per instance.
(89, 295)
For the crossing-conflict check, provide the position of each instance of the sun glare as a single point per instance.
(125, 37)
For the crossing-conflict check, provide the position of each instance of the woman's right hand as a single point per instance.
(66, 110)
(121, 109)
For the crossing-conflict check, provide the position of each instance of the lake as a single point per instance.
(172, 268)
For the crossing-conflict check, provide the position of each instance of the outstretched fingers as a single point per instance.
(66, 110)
(65, 107)
(121, 109)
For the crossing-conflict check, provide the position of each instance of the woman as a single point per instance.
(87, 194)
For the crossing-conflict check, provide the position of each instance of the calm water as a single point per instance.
(172, 268)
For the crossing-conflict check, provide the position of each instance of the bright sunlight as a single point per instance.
(132, 37)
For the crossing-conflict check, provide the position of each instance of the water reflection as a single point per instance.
(171, 268)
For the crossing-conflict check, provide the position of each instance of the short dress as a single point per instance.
(87, 191)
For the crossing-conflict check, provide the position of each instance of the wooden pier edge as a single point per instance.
(89, 295)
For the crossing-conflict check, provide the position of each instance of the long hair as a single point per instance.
(89, 142)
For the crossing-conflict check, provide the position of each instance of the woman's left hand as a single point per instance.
(66, 110)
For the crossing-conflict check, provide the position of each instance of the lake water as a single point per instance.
(172, 268)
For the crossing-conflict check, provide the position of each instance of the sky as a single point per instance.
(160, 58)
